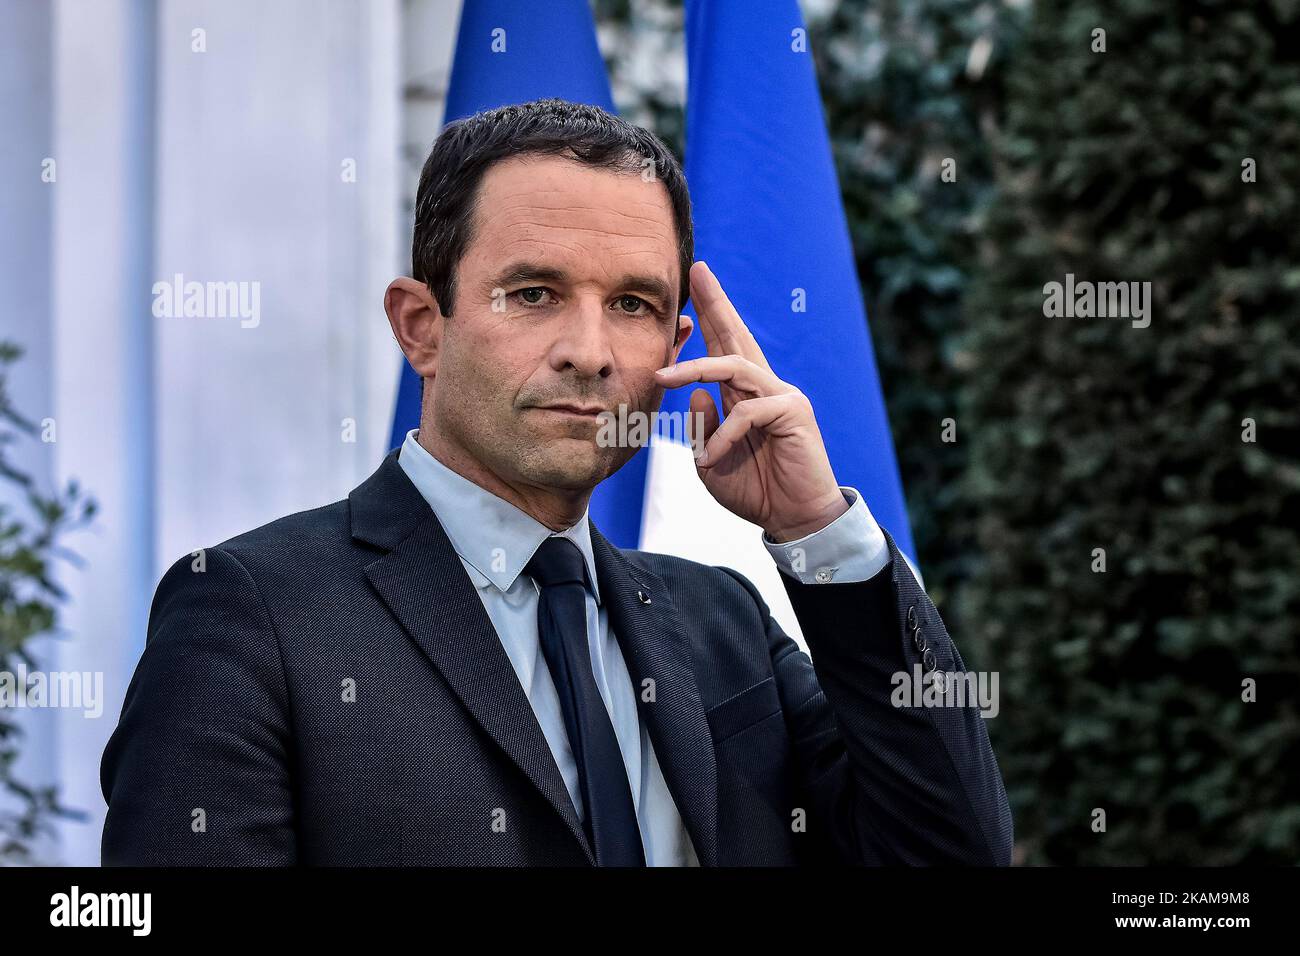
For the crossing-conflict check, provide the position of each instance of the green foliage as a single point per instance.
(28, 596)
(645, 56)
(1122, 690)
(912, 89)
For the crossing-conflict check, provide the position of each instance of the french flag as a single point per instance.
(768, 221)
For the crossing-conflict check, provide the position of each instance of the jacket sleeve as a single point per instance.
(197, 771)
(883, 784)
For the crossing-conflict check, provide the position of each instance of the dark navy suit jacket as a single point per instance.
(236, 745)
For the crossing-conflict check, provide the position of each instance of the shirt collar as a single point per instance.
(490, 534)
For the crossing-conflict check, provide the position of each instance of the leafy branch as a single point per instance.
(32, 524)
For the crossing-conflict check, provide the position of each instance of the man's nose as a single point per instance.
(582, 341)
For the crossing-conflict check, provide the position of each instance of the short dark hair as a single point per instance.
(467, 148)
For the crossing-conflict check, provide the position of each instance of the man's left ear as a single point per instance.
(684, 327)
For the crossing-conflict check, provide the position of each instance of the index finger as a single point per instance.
(723, 328)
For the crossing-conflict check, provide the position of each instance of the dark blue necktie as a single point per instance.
(610, 818)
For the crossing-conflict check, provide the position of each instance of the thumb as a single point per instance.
(702, 421)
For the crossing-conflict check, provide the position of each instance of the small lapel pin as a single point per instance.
(643, 597)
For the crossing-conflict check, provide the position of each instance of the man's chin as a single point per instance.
(577, 465)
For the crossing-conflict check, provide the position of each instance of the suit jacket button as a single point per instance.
(927, 659)
(911, 617)
(643, 597)
(919, 641)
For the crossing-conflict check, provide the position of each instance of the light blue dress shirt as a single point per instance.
(495, 540)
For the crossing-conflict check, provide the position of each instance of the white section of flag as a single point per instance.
(680, 517)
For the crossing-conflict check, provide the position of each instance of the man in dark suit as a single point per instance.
(453, 665)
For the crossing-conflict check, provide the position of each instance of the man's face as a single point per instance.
(566, 296)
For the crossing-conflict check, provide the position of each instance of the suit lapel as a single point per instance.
(422, 581)
(649, 635)
(424, 584)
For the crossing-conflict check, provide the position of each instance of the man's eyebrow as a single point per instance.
(650, 285)
(518, 272)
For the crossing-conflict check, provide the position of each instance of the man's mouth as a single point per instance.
(586, 411)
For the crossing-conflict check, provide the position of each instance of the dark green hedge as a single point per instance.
(1123, 690)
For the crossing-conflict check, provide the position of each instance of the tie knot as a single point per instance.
(557, 561)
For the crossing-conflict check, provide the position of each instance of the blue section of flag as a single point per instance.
(771, 226)
(550, 50)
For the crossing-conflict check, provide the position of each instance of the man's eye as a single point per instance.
(629, 303)
(533, 295)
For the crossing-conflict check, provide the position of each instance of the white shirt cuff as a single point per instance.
(851, 548)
